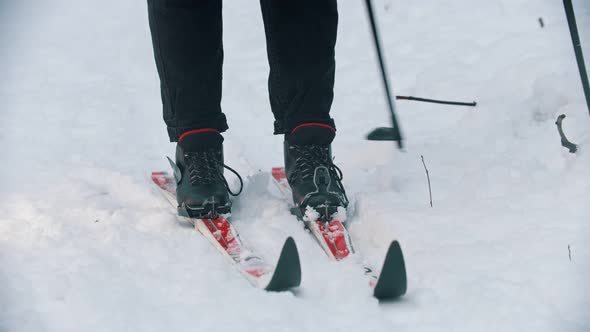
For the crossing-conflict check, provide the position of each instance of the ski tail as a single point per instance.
(392, 282)
(287, 273)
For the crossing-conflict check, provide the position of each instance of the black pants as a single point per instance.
(300, 40)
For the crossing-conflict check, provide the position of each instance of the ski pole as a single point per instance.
(571, 20)
(383, 133)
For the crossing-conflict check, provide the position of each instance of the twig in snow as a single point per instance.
(564, 141)
(569, 250)
(541, 23)
(428, 178)
(436, 101)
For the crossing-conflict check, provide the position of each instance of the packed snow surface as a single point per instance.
(88, 244)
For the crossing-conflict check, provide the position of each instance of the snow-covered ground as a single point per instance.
(87, 243)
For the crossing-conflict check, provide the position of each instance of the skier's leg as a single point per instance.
(186, 36)
(300, 39)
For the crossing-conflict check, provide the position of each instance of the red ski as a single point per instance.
(333, 237)
(222, 235)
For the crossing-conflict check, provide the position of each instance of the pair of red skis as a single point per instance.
(332, 236)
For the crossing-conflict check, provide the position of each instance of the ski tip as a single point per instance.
(287, 273)
(392, 282)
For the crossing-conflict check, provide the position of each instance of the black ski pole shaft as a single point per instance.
(395, 131)
(445, 102)
(571, 20)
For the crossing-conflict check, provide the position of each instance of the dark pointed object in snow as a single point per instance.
(383, 133)
(571, 20)
(288, 270)
(392, 282)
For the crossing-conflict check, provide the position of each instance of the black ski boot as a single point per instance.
(202, 191)
(314, 179)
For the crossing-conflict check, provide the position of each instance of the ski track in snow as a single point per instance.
(87, 243)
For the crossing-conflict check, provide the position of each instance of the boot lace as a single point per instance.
(204, 168)
(311, 157)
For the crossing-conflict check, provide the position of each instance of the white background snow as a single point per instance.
(87, 243)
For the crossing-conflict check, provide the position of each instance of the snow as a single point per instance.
(311, 214)
(87, 243)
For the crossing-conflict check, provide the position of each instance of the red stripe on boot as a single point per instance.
(313, 124)
(197, 131)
